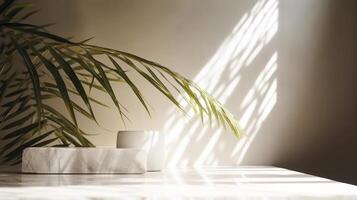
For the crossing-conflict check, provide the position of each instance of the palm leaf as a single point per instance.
(34, 76)
(73, 77)
(130, 83)
(5, 5)
(57, 68)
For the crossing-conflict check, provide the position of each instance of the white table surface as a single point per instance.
(248, 182)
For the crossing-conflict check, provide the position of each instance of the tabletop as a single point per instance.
(244, 182)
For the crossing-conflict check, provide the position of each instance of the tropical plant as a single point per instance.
(57, 68)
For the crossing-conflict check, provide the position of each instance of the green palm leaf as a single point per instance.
(58, 68)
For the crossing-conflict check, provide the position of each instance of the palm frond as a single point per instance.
(58, 68)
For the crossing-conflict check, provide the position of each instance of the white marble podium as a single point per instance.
(83, 160)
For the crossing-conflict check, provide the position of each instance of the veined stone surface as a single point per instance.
(83, 160)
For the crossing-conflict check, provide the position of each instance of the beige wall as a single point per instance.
(285, 68)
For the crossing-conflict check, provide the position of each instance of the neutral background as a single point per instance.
(286, 69)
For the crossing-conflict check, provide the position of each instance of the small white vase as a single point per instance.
(152, 141)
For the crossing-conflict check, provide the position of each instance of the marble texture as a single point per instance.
(83, 160)
(244, 182)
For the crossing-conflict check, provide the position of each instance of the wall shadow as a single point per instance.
(325, 117)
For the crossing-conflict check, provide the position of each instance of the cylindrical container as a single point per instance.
(152, 141)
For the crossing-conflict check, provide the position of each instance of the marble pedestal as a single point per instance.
(83, 160)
